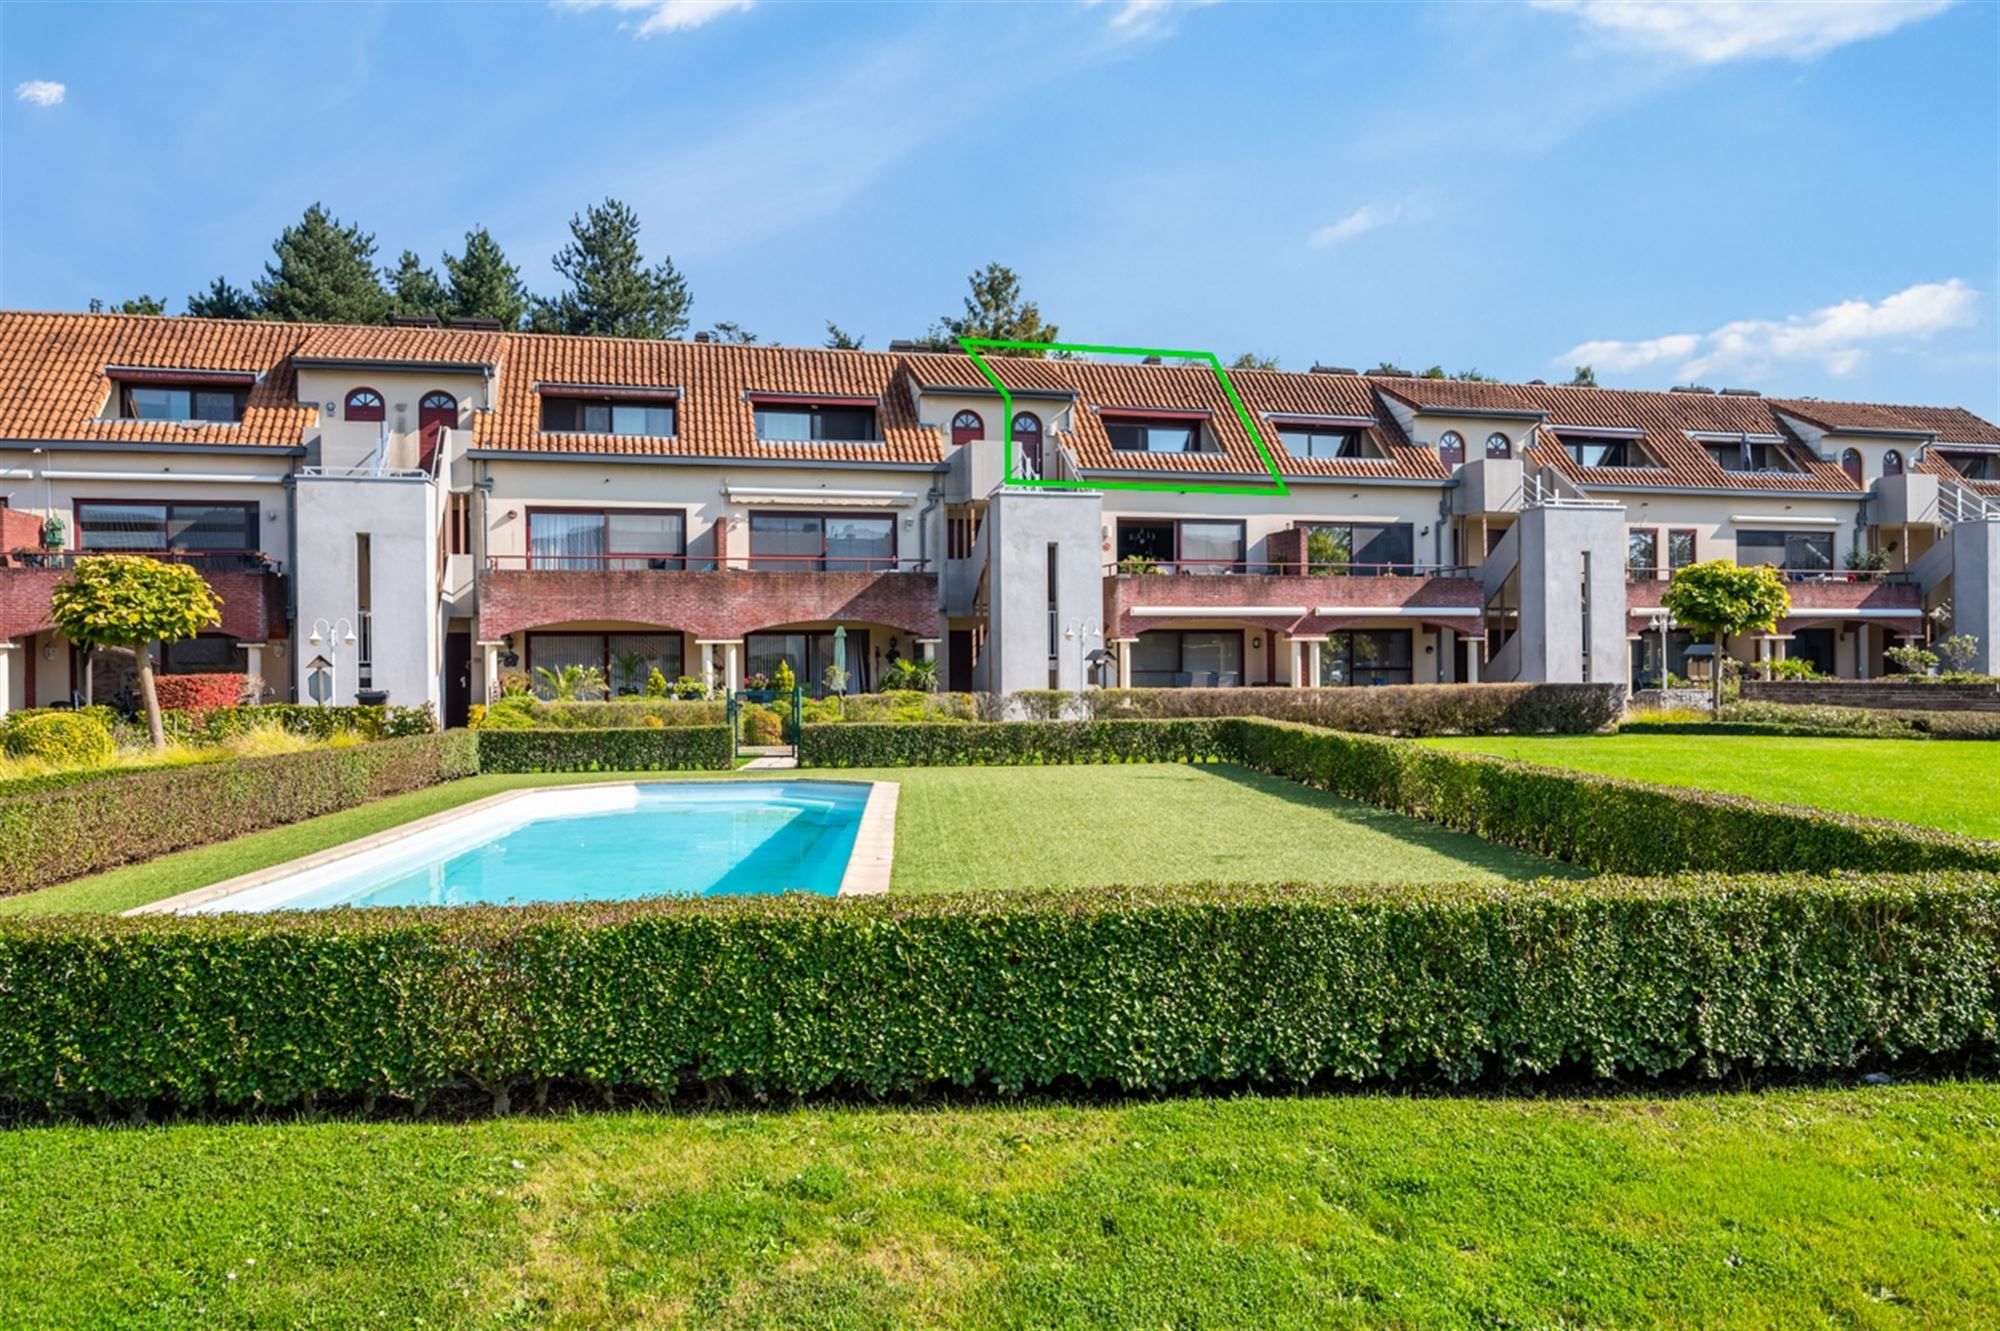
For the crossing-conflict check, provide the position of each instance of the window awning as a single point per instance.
(138, 374)
(815, 497)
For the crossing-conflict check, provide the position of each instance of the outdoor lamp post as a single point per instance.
(1079, 632)
(1662, 623)
(332, 634)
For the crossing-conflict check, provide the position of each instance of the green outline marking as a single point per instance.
(973, 346)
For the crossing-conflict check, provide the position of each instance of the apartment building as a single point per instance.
(423, 510)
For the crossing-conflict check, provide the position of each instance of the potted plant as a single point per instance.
(54, 532)
(1135, 565)
(757, 687)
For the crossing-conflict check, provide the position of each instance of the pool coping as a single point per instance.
(869, 864)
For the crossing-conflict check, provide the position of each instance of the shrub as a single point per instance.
(1770, 718)
(907, 676)
(311, 722)
(55, 830)
(69, 738)
(689, 689)
(901, 707)
(524, 713)
(1912, 659)
(1396, 709)
(635, 749)
(1957, 653)
(1137, 989)
(1795, 667)
(1598, 822)
(1008, 743)
(199, 693)
(656, 683)
(762, 725)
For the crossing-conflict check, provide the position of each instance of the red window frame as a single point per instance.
(967, 427)
(678, 558)
(252, 513)
(363, 411)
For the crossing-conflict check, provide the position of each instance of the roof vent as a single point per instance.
(414, 321)
(902, 344)
(1332, 369)
(701, 337)
(1741, 392)
(474, 323)
(1380, 373)
(1691, 388)
(1150, 360)
(1538, 383)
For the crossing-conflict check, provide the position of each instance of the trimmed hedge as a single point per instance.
(1007, 743)
(60, 737)
(371, 723)
(1397, 709)
(641, 749)
(56, 831)
(523, 712)
(1770, 718)
(1139, 989)
(1598, 822)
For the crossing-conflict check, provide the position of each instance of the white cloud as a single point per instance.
(1146, 18)
(1371, 217)
(666, 15)
(1720, 30)
(40, 92)
(1836, 338)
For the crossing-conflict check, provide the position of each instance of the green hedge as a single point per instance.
(1597, 822)
(1397, 709)
(641, 749)
(523, 712)
(1771, 718)
(1147, 989)
(371, 723)
(59, 830)
(1010, 743)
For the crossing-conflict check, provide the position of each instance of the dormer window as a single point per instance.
(637, 415)
(788, 421)
(1156, 433)
(1326, 441)
(1972, 466)
(1750, 455)
(1597, 450)
(1451, 448)
(365, 404)
(164, 395)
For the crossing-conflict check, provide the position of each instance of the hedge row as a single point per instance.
(61, 831)
(641, 749)
(1770, 718)
(523, 712)
(1009, 743)
(1397, 709)
(371, 723)
(1597, 822)
(1150, 989)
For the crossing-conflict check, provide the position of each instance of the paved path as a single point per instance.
(771, 762)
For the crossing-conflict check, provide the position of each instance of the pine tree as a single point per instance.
(483, 285)
(612, 293)
(839, 339)
(136, 305)
(1250, 360)
(725, 331)
(415, 289)
(995, 309)
(324, 273)
(222, 301)
(1585, 377)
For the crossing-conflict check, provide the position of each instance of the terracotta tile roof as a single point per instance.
(52, 383)
(52, 386)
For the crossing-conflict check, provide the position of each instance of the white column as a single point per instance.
(1861, 649)
(1125, 663)
(6, 680)
(1298, 664)
(927, 649)
(1312, 664)
(1474, 647)
(89, 684)
(1764, 656)
(708, 665)
(731, 662)
(253, 666)
(489, 669)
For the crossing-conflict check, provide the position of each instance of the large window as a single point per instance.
(1364, 549)
(180, 402)
(181, 526)
(1803, 550)
(653, 418)
(1187, 659)
(1680, 547)
(809, 655)
(570, 538)
(1366, 656)
(626, 660)
(1144, 434)
(1604, 451)
(1642, 552)
(1751, 456)
(1183, 547)
(821, 541)
(1325, 441)
(808, 422)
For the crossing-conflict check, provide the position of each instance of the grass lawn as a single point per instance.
(1869, 1207)
(970, 827)
(1953, 784)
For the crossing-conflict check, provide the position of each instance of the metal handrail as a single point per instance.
(1884, 576)
(214, 561)
(682, 562)
(1308, 568)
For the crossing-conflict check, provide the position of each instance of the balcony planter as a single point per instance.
(371, 697)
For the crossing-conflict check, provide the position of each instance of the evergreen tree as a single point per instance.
(415, 289)
(995, 309)
(483, 285)
(1585, 377)
(136, 305)
(839, 339)
(222, 301)
(612, 293)
(1250, 360)
(324, 273)
(725, 331)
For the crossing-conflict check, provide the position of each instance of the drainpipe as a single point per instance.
(936, 497)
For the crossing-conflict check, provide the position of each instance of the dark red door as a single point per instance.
(967, 428)
(438, 411)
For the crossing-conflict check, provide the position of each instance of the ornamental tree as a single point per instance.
(129, 603)
(1721, 598)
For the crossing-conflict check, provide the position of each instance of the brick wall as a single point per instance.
(1125, 593)
(1879, 694)
(721, 605)
(253, 604)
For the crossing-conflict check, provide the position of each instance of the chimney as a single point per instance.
(1741, 392)
(701, 337)
(1150, 360)
(1331, 369)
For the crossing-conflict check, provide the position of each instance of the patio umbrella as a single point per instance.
(840, 652)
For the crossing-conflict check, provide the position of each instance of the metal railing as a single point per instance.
(207, 561)
(1958, 502)
(1884, 576)
(1141, 566)
(681, 562)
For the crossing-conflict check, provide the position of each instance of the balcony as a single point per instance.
(689, 594)
(247, 583)
(1873, 596)
(1303, 600)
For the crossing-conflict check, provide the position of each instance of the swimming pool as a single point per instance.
(583, 843)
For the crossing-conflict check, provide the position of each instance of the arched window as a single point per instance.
(365, 404)
(1892, 463)
(435, 413)
(1850, 462)
(1028, 438)
(1499, 446)
(1451, 448)
(966, 428)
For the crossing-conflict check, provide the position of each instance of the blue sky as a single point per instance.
(1796, 198)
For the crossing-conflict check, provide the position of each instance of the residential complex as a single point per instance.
(422, 511)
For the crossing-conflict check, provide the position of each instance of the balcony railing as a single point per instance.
(630, 561)
(1139, 566)
(1882, 576)
(206, 561)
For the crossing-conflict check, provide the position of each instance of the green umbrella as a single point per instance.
(840, 652)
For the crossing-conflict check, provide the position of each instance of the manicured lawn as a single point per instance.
(1870, 1207)
(1953, 784)
(971, 828)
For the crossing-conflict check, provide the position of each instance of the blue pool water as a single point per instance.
(667, 839)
